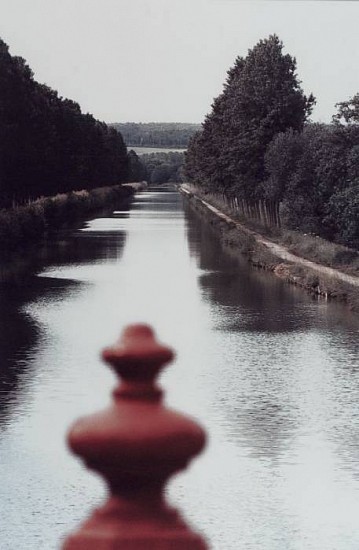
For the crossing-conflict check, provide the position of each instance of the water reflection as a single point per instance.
(272, 373)
(25, 279)
(249, 299)
(287, 395)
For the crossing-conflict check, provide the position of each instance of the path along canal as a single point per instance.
(272, 373)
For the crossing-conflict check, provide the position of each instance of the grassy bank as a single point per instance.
(245, 238)
(26, 224)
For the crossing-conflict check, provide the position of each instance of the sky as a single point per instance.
(166, 60)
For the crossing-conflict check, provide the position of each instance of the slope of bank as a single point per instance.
(26, 224)
(263, 252)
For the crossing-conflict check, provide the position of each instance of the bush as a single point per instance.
(344, 215)
(25, 224)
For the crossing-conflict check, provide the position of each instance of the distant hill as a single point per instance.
(156, 134)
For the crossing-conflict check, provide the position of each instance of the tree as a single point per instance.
(311, 173)
(137, 170)
(163, 167)
(282, 156)
(262, 97)
(344, 214)
(47, 145)
(161, 174)
(348, 111)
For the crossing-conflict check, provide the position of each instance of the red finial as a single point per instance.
(136, 444)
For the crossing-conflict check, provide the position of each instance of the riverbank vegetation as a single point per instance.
(157, 168)
(169, 135)
(258, 151)
(57, 165)
(317, 280)
(47, 145)
(27, 223)
(303, 245)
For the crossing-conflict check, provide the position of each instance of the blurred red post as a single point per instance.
(136, 444)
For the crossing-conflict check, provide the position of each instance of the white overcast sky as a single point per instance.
(165, 60)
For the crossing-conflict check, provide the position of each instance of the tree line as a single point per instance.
(157, 168)
(157, 134)
(47, 145)
(259, 150)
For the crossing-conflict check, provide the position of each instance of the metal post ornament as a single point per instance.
(136, 444)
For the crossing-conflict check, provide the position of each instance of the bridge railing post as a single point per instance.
(136, 444)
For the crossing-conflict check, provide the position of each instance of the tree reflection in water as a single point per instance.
(22, 283)
(281, 348)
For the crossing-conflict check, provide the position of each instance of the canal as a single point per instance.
(272, 374)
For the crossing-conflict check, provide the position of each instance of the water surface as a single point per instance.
(272, 374)
(149, 150)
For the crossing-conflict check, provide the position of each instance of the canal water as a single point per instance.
(270, 372)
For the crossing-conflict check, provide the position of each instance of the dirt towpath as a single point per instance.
(277, 249)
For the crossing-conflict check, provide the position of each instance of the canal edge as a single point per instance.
(317, 279)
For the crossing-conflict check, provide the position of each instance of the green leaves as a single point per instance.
(47, 145)
(348, 111)
(262, 97)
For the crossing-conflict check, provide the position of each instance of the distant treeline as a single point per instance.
(153, 134)
(258, 150)
(157, 168)
(47, 145)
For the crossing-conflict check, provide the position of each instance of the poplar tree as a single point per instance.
(47, 145)
(262, 96)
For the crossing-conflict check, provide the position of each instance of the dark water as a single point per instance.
(271, 373)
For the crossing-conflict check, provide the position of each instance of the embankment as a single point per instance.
(26, 224)
(275, 257)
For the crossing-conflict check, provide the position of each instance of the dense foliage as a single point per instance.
(163, 167)
(136, 168)
(157, 134)
(157, 168)
(28, 223)
(47, 145)
(262, 96)
(348, 111)
(257, 149)
(315, 175)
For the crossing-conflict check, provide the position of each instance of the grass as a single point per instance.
(308, 246)
(321, 251)
(22, 225)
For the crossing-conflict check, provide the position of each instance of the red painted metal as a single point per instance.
(136, 445)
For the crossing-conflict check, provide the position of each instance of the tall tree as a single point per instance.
(262, 97)
(47, 145)
(315, 175)
(348, 111)
(136, 168)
